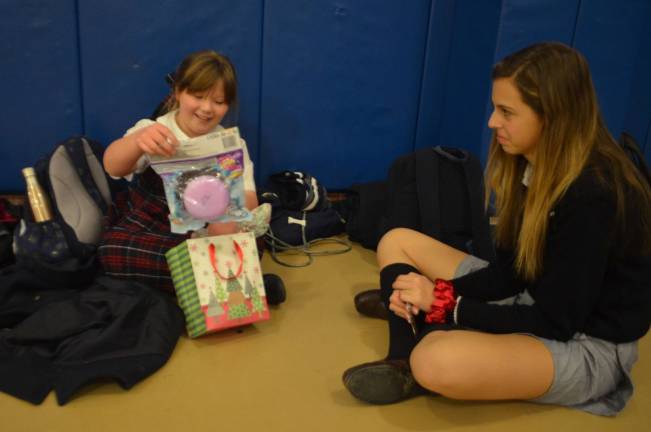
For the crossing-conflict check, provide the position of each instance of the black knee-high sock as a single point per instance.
(401, 337)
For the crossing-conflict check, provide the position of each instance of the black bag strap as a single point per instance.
(75, 147)
(429, 207)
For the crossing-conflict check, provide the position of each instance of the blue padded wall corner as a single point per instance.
(40, 79)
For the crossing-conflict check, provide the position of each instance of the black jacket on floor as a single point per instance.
(61, 338)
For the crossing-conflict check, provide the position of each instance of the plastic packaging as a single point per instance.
(204, 181)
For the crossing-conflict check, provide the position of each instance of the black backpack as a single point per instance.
(362, 207)
(437, 191)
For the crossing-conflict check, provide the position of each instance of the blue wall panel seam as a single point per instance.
(79, 70)
(498, 36)
(576, 21)
(448, 62)
(422, 75)
(258, 153)
(484, 147)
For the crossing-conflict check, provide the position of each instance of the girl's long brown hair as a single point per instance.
(554, 80)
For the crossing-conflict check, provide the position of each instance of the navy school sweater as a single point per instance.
(586, 286)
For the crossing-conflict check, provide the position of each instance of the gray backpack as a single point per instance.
(79, 190)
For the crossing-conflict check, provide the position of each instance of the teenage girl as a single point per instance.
(556, 318)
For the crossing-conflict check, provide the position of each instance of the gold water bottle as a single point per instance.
(38, 200)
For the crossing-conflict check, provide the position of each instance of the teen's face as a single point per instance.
(517, 127)
(200, 112)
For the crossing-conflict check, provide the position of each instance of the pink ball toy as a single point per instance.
(206, 197)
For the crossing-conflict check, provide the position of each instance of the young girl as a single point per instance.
(557, 317)
(138, 234)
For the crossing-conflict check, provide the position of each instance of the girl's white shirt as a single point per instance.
(168, 120)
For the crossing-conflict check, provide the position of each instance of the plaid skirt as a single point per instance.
(137, 234)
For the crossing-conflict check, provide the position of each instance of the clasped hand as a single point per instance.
(412, 288)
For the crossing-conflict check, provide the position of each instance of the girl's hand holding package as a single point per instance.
(156, 139)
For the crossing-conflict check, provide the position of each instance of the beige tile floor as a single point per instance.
(285, 375)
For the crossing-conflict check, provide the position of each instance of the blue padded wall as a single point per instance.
(638, 120)
(40, 70)
(610, 35)
(523, 22)
(128, 47)
(340, 86)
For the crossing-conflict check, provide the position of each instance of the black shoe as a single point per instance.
(274, 287)
(370, 304)
(382, 382)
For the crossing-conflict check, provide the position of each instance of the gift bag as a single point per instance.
(218, 282)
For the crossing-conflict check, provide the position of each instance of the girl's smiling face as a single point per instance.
(200, 112)
(517, 127)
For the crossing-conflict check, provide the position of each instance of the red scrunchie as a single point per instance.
(444, 302)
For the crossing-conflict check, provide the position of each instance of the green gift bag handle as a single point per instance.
(213, 260)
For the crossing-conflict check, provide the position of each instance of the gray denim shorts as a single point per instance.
(590, 374)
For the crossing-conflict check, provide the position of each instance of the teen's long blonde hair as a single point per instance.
(554, 80)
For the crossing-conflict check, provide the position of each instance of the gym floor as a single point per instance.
(285, 375)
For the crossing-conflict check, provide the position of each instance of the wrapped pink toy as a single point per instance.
(203, 181)
(206, 197)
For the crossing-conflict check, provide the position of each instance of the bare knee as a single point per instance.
(391, 244)
(435, 365)
(392, 238)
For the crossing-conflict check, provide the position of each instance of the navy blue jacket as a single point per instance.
(587, 285)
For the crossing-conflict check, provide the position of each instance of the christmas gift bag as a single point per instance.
(218, 282)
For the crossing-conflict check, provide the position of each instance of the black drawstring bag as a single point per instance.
(298, 191)
(301, 217)
(296, 228)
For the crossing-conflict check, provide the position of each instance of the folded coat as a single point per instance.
(64, 337)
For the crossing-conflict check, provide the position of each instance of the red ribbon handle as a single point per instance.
(213, 260)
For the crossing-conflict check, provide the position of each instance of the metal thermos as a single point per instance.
(38, 200)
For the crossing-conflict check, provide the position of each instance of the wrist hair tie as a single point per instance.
(445, 301)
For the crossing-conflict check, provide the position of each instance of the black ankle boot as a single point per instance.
(274, 288)
(382, 382)
(369, 303)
